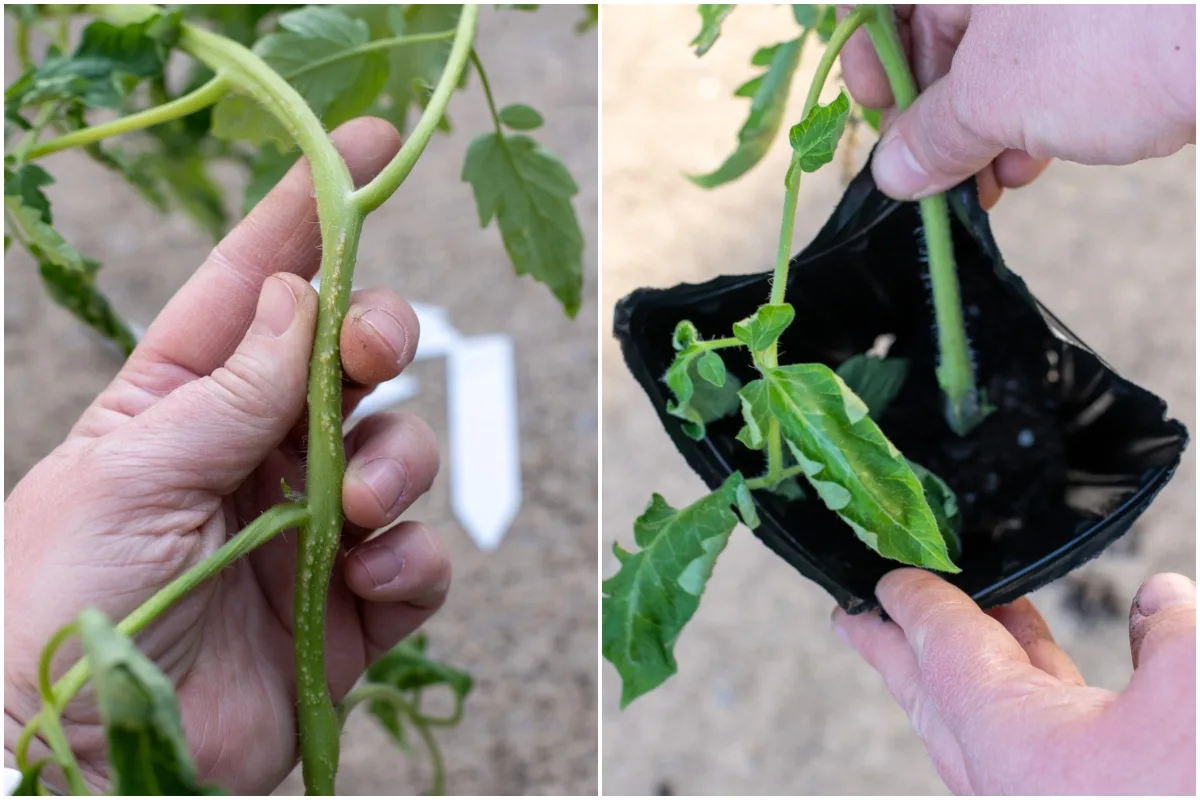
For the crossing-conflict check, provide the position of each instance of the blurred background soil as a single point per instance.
(523, 619)
(767, 701)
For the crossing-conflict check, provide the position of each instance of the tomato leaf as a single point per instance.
(318, 51)
(768, 95)
(762, 329)
(108, 63)
(711, 368)
(944, 505)
(267, 168)
(853, 467)
(521, 117)
(69, 277)
(711, 17)
(875, 380)
(703, 390)
(819, 18)
(408, 669)
(147, 751)
(871, 116)
(657, 589)
(412, 67)
(528, 190)
(815, 138)
(26, 182)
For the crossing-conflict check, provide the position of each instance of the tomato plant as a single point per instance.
(264, 85)
(808, 420)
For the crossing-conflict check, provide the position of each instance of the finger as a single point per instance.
(204, 321)
(967, 658)
(379, 336)
(988, 188)
(1023, 622)
(861, 69)
(932, 145)
(378, 340)
(883, 646)
(936, 34)
(403, 576)
(393, 460)
(211, 433)
(1015, 168)
(1164, 611)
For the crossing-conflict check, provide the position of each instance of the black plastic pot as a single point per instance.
(1072, 456)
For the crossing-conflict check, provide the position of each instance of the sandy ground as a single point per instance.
(523, 619)
(767, 701)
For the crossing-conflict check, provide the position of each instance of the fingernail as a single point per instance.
(896, 170)
(387, 479)
(382, 564)
(276, 309)
(389, 329)
(1165, 591)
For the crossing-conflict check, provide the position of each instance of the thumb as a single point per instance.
(219, 428)
(1163, 611)
(932, 146)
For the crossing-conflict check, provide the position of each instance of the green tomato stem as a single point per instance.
(719, 344)
(275, 520)
(841, 34)
(23, 59)
(55, 737)
(955, 373)
(373, 195)
(767, 481)
(194, 101)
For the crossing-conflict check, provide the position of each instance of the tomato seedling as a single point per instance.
(809, 420)
(266, 85)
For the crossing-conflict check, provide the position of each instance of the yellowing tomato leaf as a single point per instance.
(656, 592)
(856, 471)
(528, 190)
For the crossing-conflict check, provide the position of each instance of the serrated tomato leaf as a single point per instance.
(944, 504)
(762, 329)
(69, 277)
(704, 391)
(855, 470)
(711, 17)
(147, 751)
(815, 138)
(108, 63)
(26, 182)
(528, 190)
(318, 50)
(768, 95)
(415, 66)
(875, 380)
(656, 592)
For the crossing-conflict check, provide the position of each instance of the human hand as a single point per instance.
(1003, 710)
(1006, 87)
(186, 446)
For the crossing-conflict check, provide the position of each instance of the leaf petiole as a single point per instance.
(373, 195)
(381, 692)
(194, 101)
(55, 737)
(273, 521)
